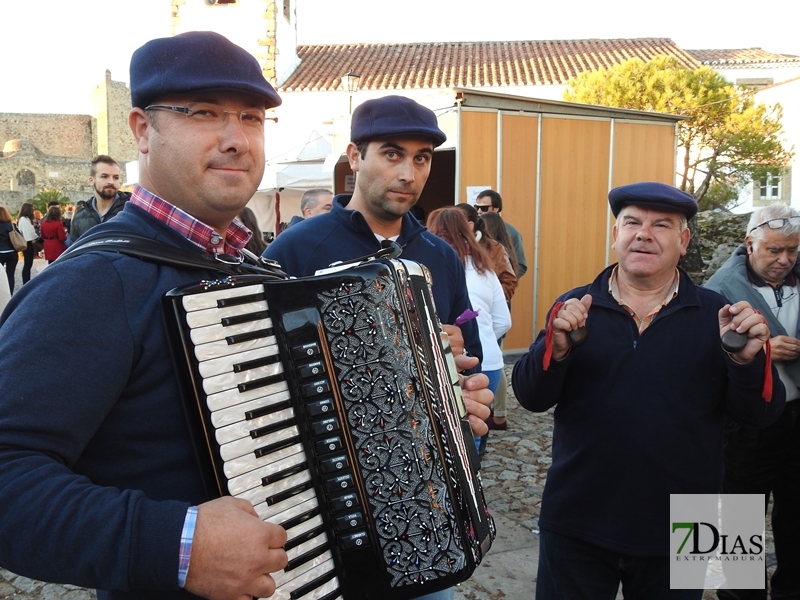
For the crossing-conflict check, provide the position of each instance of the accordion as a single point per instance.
(332, 404)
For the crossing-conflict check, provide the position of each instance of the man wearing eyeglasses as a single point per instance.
(764, 272)
(99, 484)
(491, 201)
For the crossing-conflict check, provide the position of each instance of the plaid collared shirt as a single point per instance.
(643, 322)
(197, 232)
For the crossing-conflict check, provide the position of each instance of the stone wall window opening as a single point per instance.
(26, 177)
(220, 2)
(771, 185)
(287, 10)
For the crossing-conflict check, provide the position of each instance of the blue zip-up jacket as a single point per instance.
(639, 417)
(342, 234)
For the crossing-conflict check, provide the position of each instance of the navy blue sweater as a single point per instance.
(96, 466)
(342, 234)
(639, 417)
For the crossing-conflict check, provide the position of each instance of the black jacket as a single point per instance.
(84, 220)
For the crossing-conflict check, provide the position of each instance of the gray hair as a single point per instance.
(311, 197)
(767, 213)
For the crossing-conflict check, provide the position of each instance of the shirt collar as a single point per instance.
(197, 232)
(613, 287)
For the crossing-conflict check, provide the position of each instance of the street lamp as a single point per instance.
(350, 85)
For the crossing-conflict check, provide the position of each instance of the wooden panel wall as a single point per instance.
(573, 212)
(520, 144)
(478, 149)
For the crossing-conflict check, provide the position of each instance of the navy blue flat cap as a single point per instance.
(651, 194)
(196, 61)
(393, 117)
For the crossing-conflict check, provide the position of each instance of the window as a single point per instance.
(771, 186)
(26, 177)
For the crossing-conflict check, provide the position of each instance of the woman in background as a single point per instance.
(9, 257)
(485, 292)
(53, 234)
(25, 222)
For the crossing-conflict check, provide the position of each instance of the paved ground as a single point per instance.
(514, 470)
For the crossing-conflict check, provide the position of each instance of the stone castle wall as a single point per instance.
(56, 135)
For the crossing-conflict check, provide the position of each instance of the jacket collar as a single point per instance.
(687, 292)
(355, 220)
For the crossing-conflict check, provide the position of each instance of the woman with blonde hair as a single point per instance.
(485, 292)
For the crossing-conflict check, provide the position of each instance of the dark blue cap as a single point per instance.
(651, 194)
(196, 61)
(393, 117)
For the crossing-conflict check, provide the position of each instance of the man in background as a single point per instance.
(764, 272)
(314, 202)
(107, 202)
(491, 201)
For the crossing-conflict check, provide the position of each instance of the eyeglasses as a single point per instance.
(483, 207)
(212, 115)
(778, 223)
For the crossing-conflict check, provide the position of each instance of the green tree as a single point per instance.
(45, 197)
(727, 141)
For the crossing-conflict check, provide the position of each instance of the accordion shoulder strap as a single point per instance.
(152, 250)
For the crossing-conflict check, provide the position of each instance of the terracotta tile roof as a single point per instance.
(467, 64)
(743, 56)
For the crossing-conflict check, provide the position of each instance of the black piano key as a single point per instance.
(266, 410)
(239, 319)
(259, 383)
(250, 335)
(288, 472)
(304, 537)
(264, 451)
(237, 300)
(267, 429)
(285, 495)
(311, 586)
(304, 558)
(253, 364)
(302, 518)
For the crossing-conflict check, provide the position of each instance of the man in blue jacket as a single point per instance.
(639, 405)
(391, 149)
(764, 272)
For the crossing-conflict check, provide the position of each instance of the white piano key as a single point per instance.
(233, 414)
(281, 577)
(225, 364)
(193, 302)
(297, 509)
(303, 527)
(240, 484)
(243, 427)
(233, 397)
(284, 591)
(216, 334)
(212, 316)
(266, 512)
(248, 444)
(308, 546)
(228, 381)
(245, 464)
(260, 494)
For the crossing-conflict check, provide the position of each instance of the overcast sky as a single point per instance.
(54, 52)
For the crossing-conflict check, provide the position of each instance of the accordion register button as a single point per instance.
(306, 350)
(312, 369)
(344, 502)
(337, 484)
(325, 426)
(331, 465)
(316, 388)
(351, 541)
(320, 407)
(331, 444)
(349, 521)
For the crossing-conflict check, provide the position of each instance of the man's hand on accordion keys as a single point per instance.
(234, 552)
(477, 396)
(456, 339)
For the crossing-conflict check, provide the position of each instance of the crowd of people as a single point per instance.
(103, 474)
